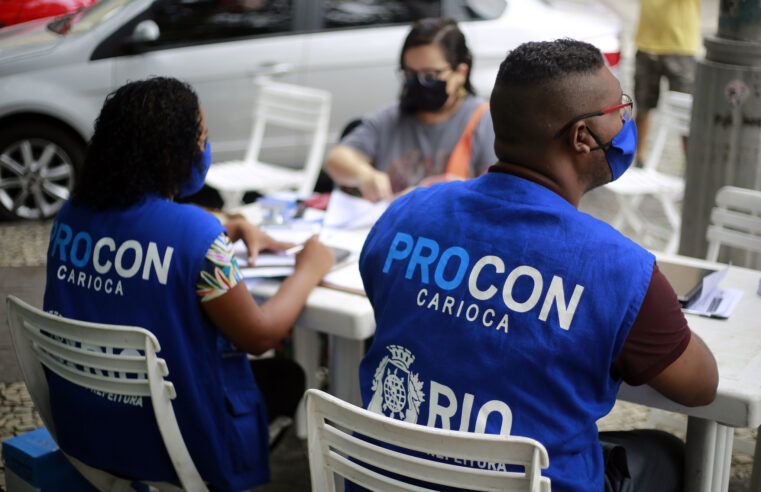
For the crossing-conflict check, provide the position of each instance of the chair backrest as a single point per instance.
(100, 357)
(735, 221)
(675, 111)
(335, 451)
(295, 107)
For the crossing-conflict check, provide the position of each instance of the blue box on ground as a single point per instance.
(35, 458)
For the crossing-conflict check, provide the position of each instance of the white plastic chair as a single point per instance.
(630, 189)
(735, 222)
(302, 109)
(332, 445)
(99, 370)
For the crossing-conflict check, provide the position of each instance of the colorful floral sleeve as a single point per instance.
(220, 272)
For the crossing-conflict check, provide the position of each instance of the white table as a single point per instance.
(736, 345)
(348, 321)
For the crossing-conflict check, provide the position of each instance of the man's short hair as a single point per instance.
(540, 86)
(543, 61)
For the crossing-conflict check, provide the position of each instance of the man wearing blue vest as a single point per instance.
(501, 308)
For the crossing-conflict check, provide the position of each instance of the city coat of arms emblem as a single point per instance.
(397, 391)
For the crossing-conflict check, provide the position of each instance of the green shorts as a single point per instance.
(648, 70)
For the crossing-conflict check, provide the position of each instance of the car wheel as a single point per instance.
(37, 167)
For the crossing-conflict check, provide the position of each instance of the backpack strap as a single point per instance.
(459, 159)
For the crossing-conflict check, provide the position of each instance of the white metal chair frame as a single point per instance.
(635, 184)
(91, 363)
(735, 221)
(299, 108)
(332, 445)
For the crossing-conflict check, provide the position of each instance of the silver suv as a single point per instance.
(55, 73)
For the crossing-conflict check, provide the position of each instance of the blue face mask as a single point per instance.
(197, 174)
(620, 150)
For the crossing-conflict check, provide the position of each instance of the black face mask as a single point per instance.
(418, 97)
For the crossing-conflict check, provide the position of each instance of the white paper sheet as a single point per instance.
(348, 212)
(278, 259)
(346, 277)
(714, 301)
(351, 240)
(266, 272)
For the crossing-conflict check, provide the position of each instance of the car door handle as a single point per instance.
(273, 68)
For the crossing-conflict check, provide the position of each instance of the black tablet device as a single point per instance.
(686, 280)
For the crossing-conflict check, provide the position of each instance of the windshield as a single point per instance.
(87, 18)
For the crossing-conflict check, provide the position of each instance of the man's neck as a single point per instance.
(537, 177)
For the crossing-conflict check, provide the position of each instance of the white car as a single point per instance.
(55, 73)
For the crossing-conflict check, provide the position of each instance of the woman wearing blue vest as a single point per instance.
(123, 251)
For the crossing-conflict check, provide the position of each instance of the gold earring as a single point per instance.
(461, 92)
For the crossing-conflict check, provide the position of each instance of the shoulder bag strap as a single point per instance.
(459, 159)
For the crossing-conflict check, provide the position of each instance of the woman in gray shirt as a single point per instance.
(438, 130)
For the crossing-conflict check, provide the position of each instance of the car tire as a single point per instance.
(38, 163)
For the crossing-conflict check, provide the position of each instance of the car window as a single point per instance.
(91, 17)
(192, 21)
(351, 13)
(355, 13)
(482, 9)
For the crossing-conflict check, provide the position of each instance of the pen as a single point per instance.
(295, 249)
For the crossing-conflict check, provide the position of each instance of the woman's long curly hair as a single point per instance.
(146, 140)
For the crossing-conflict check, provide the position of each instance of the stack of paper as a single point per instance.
(344, 227)
(267, 264)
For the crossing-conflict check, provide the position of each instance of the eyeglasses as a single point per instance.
(427, 76)
(625, 109)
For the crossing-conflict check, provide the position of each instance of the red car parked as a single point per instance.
(16, 11)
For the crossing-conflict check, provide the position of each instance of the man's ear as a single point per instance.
(579, 138)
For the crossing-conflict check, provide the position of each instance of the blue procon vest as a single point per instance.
(499, 309)
(139, 266)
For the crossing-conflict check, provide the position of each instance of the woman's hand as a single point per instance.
(374, 185)
(349, 167)
(256, 240)
(316, 258)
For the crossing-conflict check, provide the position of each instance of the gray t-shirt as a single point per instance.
(410, 150)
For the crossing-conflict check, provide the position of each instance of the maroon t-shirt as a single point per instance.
(658, 336)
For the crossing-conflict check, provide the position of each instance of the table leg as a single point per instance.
(755, 477)
(723, 457)
(345, 356)
(306, 351)
(708, 455)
